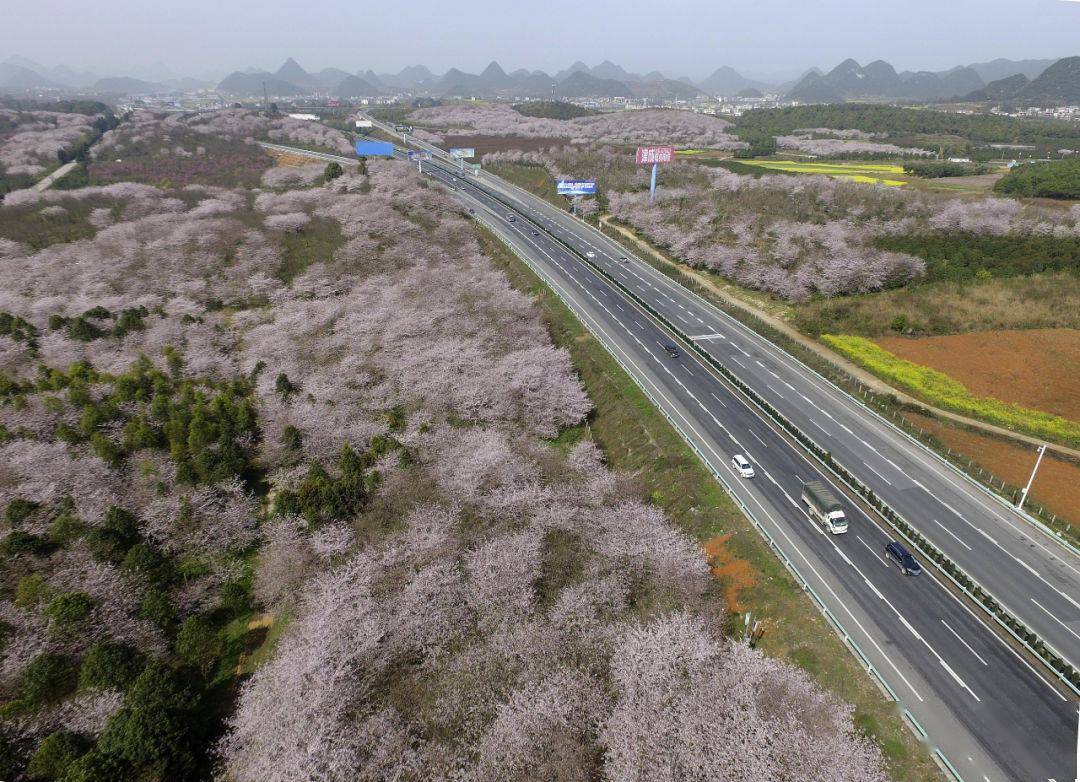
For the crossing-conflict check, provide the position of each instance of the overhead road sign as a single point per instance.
(374, 149)
(653, 155)
(576, 187)
(363, 123)
(463, 153)
(419, 155)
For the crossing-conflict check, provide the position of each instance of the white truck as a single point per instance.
(824, 508)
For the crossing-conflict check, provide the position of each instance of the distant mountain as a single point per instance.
(251, 84)
(961, 80)
(353, 87)
(329, 78)
(880, 81)
(291, 72)
(728, 81)
(667, 88)
(580, 84)
(493, 79)
(370, 77)
(127, 85)
(995, 70)
(577, 67)
(1059, 84)
(70, 77)
(18, 77)
(1000, 90)
(609, 70)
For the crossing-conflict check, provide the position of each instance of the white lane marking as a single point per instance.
(871, 550)
(965, 643)
(1040, 605)
(950, 533)
(758, 438)
(819, 426)
(718, 399)
(871, 469)
(736, 360)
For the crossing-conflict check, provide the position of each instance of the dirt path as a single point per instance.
(850, 368)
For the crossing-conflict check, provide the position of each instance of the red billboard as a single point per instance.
(650, 155)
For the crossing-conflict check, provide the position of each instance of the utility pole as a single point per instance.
(1024, 493)
(266, 98)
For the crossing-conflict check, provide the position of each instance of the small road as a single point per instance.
(63, 171)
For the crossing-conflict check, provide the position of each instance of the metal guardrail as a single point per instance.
(1043, 651)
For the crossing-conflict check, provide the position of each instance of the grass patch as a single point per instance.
(316, 243)
(638, 440)
(941, 390)
(948, 307)
(553, 109)
(29, 225)
(535, 179)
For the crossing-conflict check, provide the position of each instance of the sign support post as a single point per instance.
(654, 156)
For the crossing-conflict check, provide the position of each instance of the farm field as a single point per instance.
(1056, 486)
(484, 144)
(1035, 368)
(944, 391)
(870, 173)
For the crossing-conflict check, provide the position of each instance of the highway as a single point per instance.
(1030, 573)
(986, 712)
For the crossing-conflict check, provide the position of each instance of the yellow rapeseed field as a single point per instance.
(871, 173)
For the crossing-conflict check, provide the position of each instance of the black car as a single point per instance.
(908, 565)
(510, 218)
(670, 349)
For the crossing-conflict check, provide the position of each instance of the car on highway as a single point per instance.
(742, 466)
(908, 565)
(671, 349)
(536, 233)
(590, 254)
(623, 260)
(510, 218)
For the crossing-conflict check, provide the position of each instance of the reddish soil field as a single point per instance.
(1038, 368)
(1057, 484)
(484, 144)
(735, 575)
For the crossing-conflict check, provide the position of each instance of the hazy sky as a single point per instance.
(679, 37)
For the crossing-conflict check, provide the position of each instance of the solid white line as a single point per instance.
(1040, 605)
(718, 399)
(758, 438)
(950, 533)
(965, 643)
(871, 469)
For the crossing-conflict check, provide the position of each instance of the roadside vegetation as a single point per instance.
(941, 390)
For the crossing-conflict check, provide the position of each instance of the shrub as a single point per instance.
(111, 539)
(158, 724)
(198, 643)
(49, 677)
(68, 611)
(55, 754)
(110, 665)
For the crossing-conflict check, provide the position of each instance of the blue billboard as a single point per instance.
(374, 149)
(576, 187)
